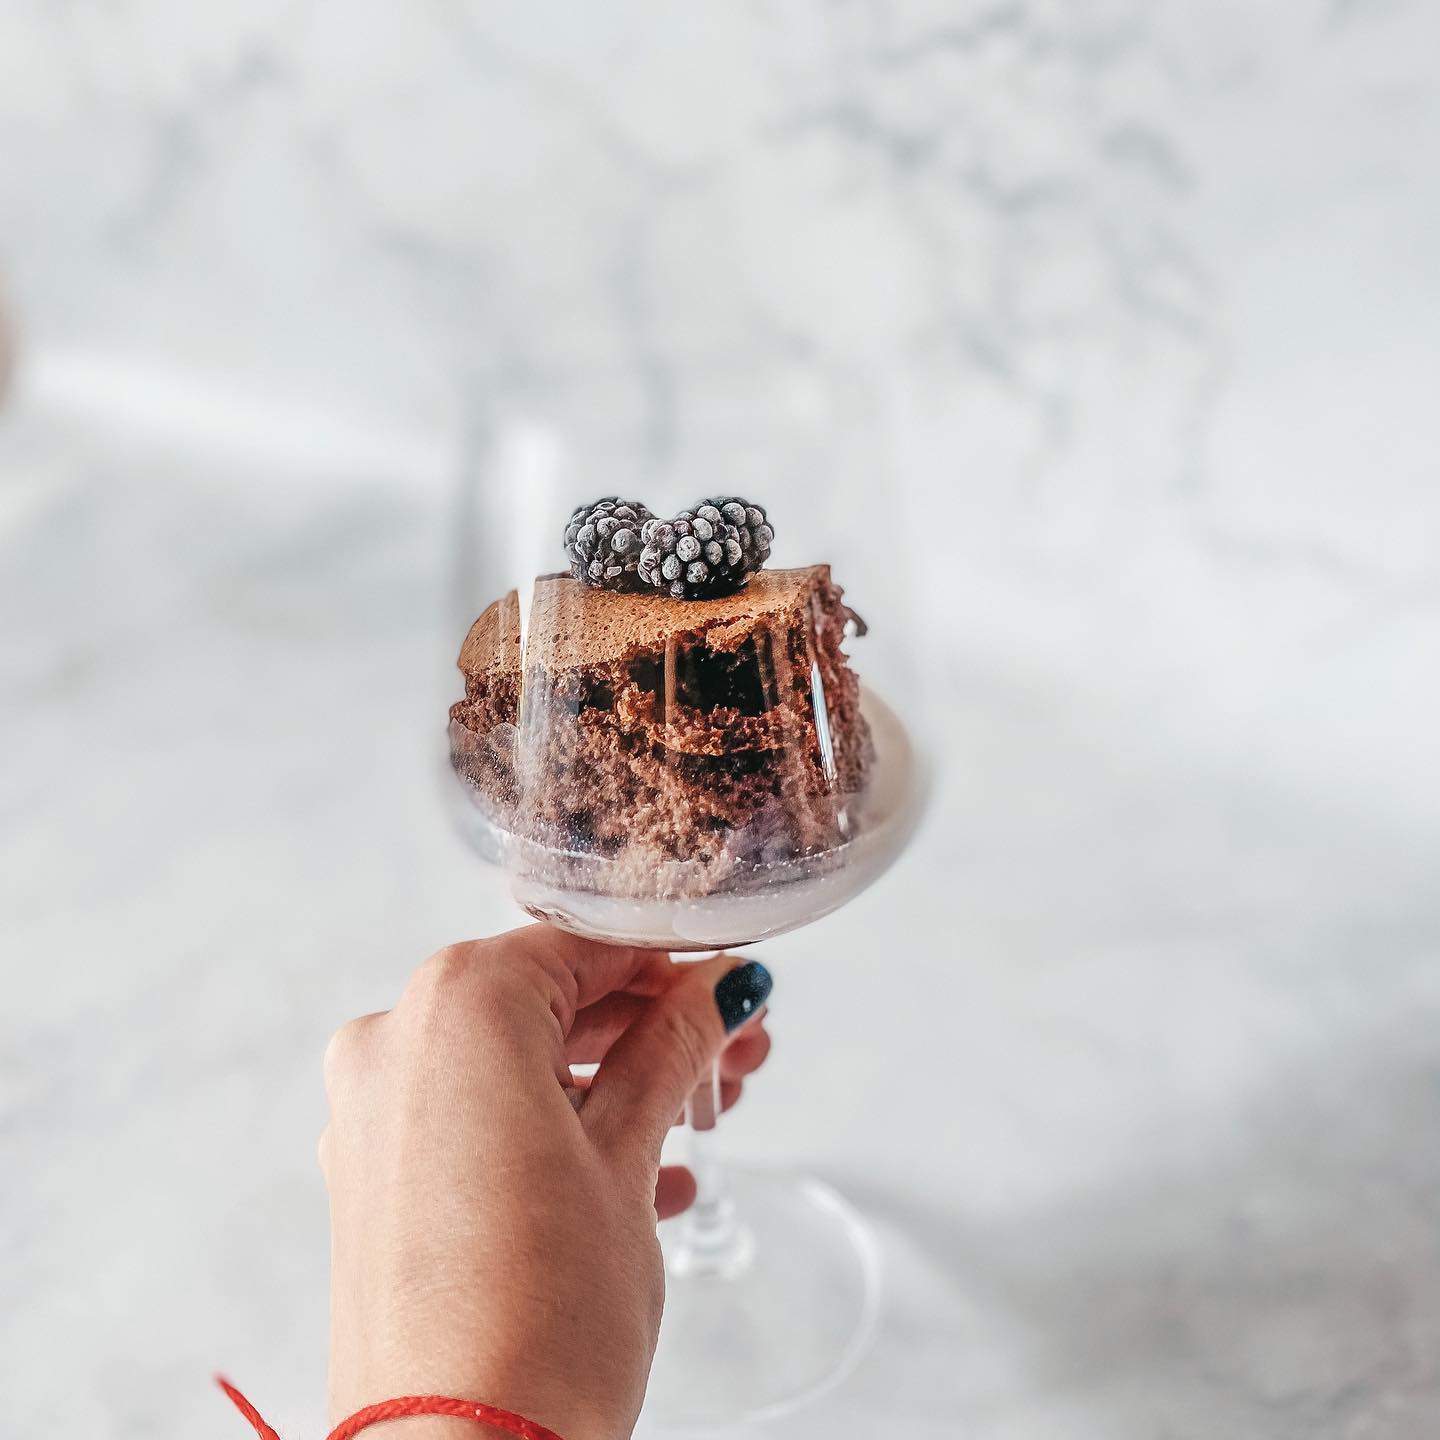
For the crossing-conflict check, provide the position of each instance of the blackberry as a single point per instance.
(712, 549)
(602, 541)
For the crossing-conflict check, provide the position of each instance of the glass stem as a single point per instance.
(712, 1239)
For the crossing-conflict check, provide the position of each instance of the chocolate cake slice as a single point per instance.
(642, 728)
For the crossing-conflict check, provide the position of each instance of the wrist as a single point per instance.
(449, 1414)
(440, 1427)
(553, 1405)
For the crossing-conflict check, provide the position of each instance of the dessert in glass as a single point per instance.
(665, 745)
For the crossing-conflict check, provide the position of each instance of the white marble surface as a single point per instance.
(1134, 1060)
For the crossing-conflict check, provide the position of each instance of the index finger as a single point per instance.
(586, 971)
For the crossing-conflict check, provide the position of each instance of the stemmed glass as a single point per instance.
(772, 1280)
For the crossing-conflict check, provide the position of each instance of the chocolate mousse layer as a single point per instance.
(640, 727)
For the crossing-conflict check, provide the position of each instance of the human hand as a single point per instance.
(493, 1222)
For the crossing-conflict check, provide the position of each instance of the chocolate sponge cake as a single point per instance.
(651, 731)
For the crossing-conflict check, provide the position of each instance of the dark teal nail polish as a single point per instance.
(741, 993)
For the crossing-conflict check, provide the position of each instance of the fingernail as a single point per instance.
(741, 993)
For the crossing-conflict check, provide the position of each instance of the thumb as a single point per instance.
(650, 1071)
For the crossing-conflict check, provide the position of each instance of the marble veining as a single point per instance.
(1093, 343)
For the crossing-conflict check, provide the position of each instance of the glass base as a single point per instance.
(774, 1320)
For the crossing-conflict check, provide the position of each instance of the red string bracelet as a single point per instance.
(400, 1409)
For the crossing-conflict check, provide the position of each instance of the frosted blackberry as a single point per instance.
(712, 549)
(602, 542)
